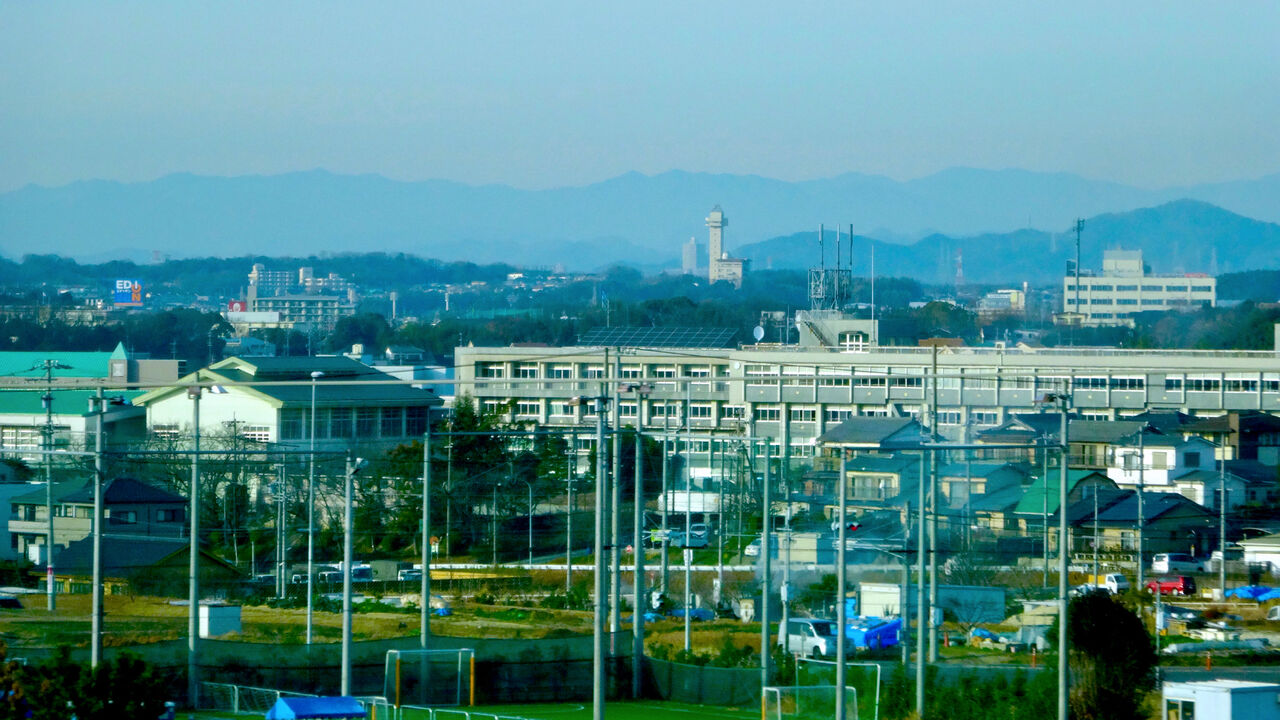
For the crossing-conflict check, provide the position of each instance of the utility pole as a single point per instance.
(933, 518)
(1222, 517)
(50, 586)
(921, 608)
(568, 516)
(425, 630)
(638, 607)
(841, 612)
(597, 625)
(1063, 650)
(193, 594)
(1142, 477)
(615, 505)
(311, 508)
(99, 470)
(688, 515)
(766, 549)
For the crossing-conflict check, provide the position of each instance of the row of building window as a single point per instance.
(354, 423)
(1133, 301)
(1145, 288)
(569, 371)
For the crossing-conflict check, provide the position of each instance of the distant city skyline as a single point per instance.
(559, 94)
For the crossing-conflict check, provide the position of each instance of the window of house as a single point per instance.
(1176, 709)
(985, 417)
(415, 421)
(1191, 459)
(1202, 288)
(1160, 460)
(392, 422)
(833, 382)
(124, 517)
(366, 422)
(867, 381)
(632, 372)
(171, 515)
(898, 381)
(1096, 382)
(291, 425)
(256, 433)
(1240, 383)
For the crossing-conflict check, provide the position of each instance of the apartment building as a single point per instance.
(1126, 287)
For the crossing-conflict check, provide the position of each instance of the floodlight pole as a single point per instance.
(193, 592)
(95, 651)
(1063, 682)
(311, 511)
(1222, 517)
(50, 586)
(688, 516)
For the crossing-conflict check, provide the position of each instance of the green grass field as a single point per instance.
(644, 710)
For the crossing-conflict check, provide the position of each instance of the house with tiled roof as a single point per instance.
(130, 507)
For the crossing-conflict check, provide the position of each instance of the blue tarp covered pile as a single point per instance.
(319, 708)
(1250, 592)
(873, 632)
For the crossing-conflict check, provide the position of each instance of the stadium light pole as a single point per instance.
(50, 586)
(597, 622)
(311, 511)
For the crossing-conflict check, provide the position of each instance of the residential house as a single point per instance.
(1262, 482)
(1153, 459)
(1171, 523)
(1039, 503)
(1263, 550)
(1248, 435)
(151, 565)
(963, 482)
(130, 507)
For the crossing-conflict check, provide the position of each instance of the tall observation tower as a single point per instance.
(721, 267)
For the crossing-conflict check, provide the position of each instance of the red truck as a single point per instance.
(1172, 585)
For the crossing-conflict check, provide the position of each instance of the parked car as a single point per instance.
(698, 536)
(1172, 585)
(811, 637)
(696, 614)
(752, 549)
(1175, 563)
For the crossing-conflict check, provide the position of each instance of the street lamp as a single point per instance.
(348, 552)
(529, 485)
(311, 509)
(597, 624)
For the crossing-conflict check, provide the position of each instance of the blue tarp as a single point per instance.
(320, 708)
(873, 632)
(1268, 595)
(983, 633)
(1248, 592)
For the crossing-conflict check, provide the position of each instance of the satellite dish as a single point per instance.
(758, 333)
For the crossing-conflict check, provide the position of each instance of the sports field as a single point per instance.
(639, 710)
(643, 710)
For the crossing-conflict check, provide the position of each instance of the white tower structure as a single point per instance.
(721, 267)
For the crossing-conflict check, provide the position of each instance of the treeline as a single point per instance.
(226, 276)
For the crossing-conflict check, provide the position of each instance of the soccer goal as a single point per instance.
(807, 702)
(430, 678)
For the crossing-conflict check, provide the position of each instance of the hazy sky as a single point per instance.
(541, 94)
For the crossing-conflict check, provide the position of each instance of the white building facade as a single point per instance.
(1125, 287)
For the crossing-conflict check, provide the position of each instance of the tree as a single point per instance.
(1112, 659)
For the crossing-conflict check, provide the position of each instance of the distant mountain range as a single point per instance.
(1184, 236)
(632, 218)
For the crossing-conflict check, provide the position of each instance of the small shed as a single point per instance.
(1221, 700)
(331, 708)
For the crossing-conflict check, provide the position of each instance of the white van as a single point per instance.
(811, 637)
(1175, 563)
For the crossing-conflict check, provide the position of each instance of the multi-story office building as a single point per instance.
(1125, 287)
(792, 394)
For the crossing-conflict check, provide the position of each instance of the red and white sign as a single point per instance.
(237, 306)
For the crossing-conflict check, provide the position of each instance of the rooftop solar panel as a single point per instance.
(660, 337)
